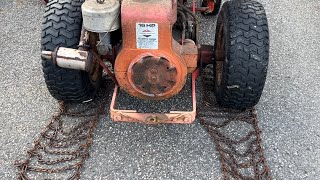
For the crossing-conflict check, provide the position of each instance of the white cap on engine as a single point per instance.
(101, 17)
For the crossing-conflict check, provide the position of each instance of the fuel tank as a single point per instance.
(150, 64)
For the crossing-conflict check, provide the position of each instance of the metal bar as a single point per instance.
(194, 6)
(173, 117)
(105, 68)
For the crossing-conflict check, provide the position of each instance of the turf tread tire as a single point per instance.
(61, 27)
(246, 54)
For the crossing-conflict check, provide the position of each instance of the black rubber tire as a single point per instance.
(62, 27)
(241, 54)
(217, 6)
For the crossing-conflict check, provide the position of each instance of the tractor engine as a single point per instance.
(150, 63)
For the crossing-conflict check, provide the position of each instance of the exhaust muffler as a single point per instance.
(69, 58)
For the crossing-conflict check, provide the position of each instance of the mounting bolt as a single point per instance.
(119, 118)
(153, 78)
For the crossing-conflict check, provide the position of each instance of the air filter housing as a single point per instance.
(101, 17)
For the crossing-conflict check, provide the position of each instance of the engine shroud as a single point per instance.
(151, 64)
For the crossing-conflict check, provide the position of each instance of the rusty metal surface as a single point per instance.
(105, 68)
(124, 77)
(61, 148)
(206, 54)
(241, 155)
(128, 102)
(182, 59)
(73, 59)
(89, 40)
(247, 163)
(177, 117)
(153, 76)
(190, 55)
(70, 58)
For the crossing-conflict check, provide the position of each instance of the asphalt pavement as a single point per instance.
(289, 110)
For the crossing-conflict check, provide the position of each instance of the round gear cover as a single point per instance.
(153, 76)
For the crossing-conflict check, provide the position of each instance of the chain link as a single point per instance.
(250, 164)
(55, 140)
(70, 146)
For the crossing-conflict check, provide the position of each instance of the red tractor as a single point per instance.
(148, 48)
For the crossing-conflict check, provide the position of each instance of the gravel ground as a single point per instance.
(289, 109)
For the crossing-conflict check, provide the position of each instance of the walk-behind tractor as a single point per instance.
(148, 48)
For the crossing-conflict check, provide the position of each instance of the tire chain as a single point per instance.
(54, 140)
(226, 146)
(250, 164)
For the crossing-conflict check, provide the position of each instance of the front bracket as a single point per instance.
(173, 117)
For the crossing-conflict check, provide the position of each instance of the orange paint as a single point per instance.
(182, 58)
